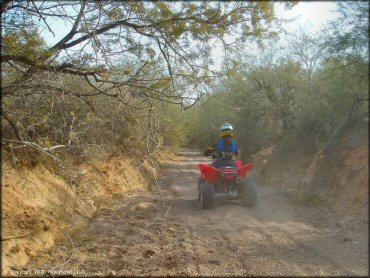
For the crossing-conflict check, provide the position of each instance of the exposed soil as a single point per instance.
(129, 236)
(334, 173)
(39, 205)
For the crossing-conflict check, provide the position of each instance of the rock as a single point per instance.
(92, 248)
(216, 262)
(29, 252)
(112, 273)
(47, 227)
(148, 254)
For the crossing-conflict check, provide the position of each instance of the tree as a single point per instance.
(143, 35)
(259, 100)
(349, 34)
(308, 50)
(138, 54)
(280, 84)
(347, 41)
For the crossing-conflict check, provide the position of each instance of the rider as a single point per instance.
(226, 147)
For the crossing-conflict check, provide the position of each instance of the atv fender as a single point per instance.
(244, 170)
(209, 173)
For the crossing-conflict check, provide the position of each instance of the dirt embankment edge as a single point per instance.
(334, 174)
(39, 207)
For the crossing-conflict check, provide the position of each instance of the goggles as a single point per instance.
(227, 132)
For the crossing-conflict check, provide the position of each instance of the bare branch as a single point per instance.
(14, 127)
(42, 17)
(62, 42)
(4, 6)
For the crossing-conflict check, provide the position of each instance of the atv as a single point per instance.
(226, 183)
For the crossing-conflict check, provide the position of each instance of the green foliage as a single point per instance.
(258, 100)
(205, 121)
(173, 128)
(335, 87)
(113, 81)
(266, 101)
(156, 56)
(24, 43)
(349, 34)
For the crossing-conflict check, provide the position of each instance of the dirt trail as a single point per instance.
(277, 237)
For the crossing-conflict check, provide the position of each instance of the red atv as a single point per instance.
(226, 182)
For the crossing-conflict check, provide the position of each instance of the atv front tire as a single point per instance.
(249, 193)
(207, 196)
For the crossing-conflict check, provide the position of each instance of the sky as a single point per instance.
(310, 15)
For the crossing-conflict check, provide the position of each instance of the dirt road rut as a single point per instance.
(277, 237)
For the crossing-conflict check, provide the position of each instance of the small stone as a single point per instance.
(148, 254)
(29, 251)
(47, 227)
(214, 262)
(113, 273)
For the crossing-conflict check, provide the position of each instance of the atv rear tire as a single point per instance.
(199, 183)
(207, 196)
(249, 193)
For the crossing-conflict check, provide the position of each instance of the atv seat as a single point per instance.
(227, 168)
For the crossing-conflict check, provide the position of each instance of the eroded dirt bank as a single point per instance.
(40, 206)
(130, 237)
